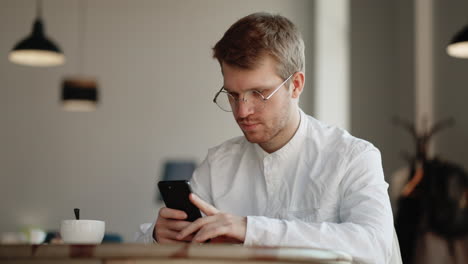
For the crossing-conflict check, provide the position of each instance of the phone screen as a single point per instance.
(176, 196)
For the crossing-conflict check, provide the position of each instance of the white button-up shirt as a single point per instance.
(324, 189)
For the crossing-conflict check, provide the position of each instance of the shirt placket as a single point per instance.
(271, 185)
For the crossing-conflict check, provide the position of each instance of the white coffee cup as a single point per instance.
(82, 231)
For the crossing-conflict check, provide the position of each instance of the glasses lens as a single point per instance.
(251, 99)
(255, 99)
(222, 100)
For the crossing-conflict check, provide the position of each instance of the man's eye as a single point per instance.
(235, 95)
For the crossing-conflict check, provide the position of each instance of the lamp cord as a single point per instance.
(81, 35)
(39, 8)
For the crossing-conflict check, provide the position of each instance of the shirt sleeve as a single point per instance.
(365, 228)
(201, 182)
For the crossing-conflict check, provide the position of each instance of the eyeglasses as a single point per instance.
(229, 102)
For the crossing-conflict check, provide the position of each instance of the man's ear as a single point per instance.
(298, 81)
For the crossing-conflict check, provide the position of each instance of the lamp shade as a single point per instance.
(458, 47)
(79, 94)
(36, 49)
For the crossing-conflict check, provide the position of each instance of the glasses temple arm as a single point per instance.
(268, 97)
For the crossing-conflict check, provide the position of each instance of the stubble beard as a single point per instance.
(270, 133)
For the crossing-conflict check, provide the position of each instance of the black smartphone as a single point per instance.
(176, 196)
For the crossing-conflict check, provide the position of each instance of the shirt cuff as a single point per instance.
(145, 234)
(263, 231)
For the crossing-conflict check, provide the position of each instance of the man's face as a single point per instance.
(265, 125)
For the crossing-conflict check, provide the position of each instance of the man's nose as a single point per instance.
(244, 108)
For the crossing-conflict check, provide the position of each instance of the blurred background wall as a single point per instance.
(157, 79)
(382, 75)
(450, 81)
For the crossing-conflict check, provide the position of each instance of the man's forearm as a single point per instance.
(364, 243)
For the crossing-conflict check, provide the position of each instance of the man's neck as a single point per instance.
(285, 135)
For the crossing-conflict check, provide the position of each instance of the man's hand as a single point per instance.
(218, 226)
(169, 224)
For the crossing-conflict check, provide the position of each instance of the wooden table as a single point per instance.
(173, 254)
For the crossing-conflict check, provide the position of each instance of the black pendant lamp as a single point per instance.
(80, 93)
(458, 47)
(36, 49)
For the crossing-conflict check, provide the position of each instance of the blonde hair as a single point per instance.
(251, 38)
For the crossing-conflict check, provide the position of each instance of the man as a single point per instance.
(290, 180)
